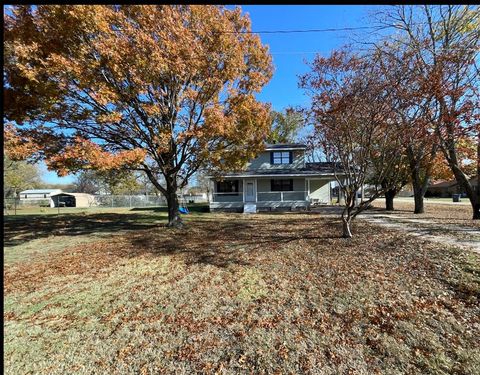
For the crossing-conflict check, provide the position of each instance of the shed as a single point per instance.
(72, 200)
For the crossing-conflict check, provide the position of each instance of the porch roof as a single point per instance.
(310, 170)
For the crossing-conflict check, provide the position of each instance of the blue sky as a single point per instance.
(290, 51)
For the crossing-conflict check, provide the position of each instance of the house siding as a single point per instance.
(262, 161)
(320, 190)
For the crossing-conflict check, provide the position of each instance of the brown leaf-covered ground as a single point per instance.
(267, 293)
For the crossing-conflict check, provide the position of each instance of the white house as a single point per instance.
(277, 179)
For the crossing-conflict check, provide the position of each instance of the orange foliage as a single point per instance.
(172, 86)
(84, 154)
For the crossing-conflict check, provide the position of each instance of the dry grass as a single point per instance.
(278, 293)
(447, 215)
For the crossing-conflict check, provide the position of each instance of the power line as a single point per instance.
(477, 49)
(300, 31)
(377, 27)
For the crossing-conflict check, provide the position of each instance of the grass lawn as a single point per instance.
(117, 292)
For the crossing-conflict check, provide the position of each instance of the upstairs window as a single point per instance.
(281, 157)
(281, 185)
(230, 186)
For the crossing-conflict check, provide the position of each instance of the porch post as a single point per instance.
(308, 189)
(243, 190)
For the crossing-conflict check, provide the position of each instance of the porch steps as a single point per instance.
(249, 208)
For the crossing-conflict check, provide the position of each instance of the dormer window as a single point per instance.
(281, 157)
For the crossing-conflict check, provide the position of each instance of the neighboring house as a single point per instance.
(445, 189)
(278, 179)
(37, 196)
(72, 200)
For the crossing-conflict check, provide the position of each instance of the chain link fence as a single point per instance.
(128, 201)
(11, 205)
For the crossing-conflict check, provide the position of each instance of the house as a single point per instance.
(445, 189)
(63, 199)
(37, 196)
(279, 178)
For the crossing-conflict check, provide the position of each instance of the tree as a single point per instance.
(123, 183)
(467, 150)
(285, 126)
(412, 108)
(352, 115)
(87, 181)
(154, 88)
(444, 41)
(392, 180)
(203, 182)
(19, 175)
(115, 182)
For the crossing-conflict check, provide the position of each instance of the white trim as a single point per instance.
(279, 175)
(286, 149)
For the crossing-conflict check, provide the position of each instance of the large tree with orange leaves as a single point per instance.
(162, 89)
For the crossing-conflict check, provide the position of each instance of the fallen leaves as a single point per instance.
(379, 303)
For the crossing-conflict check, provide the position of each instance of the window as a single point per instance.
(281, 157)
(281, 185)
(228, 187)
(44, 195)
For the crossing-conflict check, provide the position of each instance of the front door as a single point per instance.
(250, 193)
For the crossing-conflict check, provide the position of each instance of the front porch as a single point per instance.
(267, 194)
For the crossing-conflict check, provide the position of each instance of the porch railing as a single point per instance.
(262, 196)
(227, 197)
(281, 196)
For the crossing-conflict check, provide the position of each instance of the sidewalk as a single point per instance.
(465, 237)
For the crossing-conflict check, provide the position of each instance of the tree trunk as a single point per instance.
(476, 210)
(347, 233)
(419, 189)
(463, 181)
(419, 184)
(419, 205)
(476, 206)
(174, 219)
(450, 152)
(389, 195)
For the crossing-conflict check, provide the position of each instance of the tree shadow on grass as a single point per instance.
(223, 243)
(206, 239)
(191, 207)
(20, 230)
